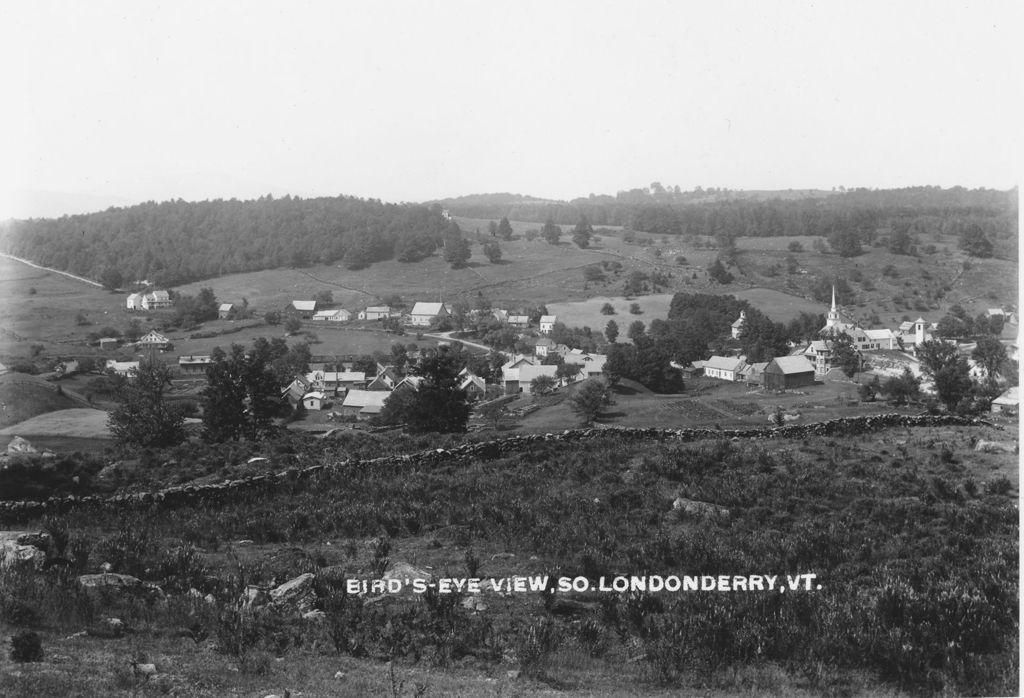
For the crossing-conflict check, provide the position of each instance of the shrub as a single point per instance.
(1000, 485)
(26, 647)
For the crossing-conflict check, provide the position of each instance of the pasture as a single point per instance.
(79, 423)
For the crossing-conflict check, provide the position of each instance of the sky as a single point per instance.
(113, 103)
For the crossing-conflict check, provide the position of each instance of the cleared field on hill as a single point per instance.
(23, 396)
(331, 341)
(82, 423)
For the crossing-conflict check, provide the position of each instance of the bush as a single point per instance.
(26, 647)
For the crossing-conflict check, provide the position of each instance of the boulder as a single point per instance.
(703, 510)
(403, 571)
(110, 628)
(119, 583)
(296, 592)
(13, 553)
(314, 616)
(474, 603)
(254, 596)
(996, 446)
(20, 445)
(39, 539)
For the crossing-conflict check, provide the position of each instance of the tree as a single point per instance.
(582, 233)
(325, 297)
(272, 317)
(844, 353)
(243, 394)
(868, 391)
(456, 250)
(590, 398)
(611, 331)
(945, 365)
(593, 273)
(292, 325)
(974, 242)
(900, 240)
(718, 273)
(504, 229)
(795, 246)
(111, 279)
(492, 228)
(144, 418)
(492, 250)
(568, 370)
(635, 309)
(439, 405)
(846, 242)
(542, 384)
(903, 388)
(607, 309)
(990, 355)
(636, 330)
(551, 232)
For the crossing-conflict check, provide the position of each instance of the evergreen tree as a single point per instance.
(456, 250)
(582, 233)
(492, 250)
(439, 405)
(611, 331)
(551, 232)
(504, 229)
(243, 394)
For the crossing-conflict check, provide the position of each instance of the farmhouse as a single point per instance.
(194, 365)
(787, 372)
(294, 391)
(408, 383)
(303, 309)
(314, 400)
(725, 368)
(752, 374)
(153, 340)
(516, 376)
(134, 301)
(521, 321)
(543, 346)
(475, 386)
(337, 315)
(364, 404)
(375, 312)
(157, 300)
(879, 339)
(820, 353)
(224, 310)
(122, 368)
(425, 314)
(386, 379)
(547, 323)
(591, 364)
(500, 315)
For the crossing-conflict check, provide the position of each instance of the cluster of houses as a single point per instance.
(814, 359)
(153, 300)
(423, 314)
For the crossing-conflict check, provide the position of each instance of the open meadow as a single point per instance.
(910, 535)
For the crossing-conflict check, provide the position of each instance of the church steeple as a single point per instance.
(833, 314)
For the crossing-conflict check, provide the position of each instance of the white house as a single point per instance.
(517, 379)
(314, 400)
(194, 365)
(224, 310)
(134, 301)
(879, 339)
(521, 321)
(375, 312)
(725, 368)
(424, 314)
(543, 346)
(547, 323)
(303, 309)
(336, 315)
(122, 368)
(157, 300)
(153, 340)
(1008, 401)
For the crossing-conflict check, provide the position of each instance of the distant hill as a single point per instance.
(23, 396)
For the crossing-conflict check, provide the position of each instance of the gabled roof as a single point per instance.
(528, 373)
(880, 334)
(379, 309)
(473, 380)
(995, 311)
(724, 363)
(431, 309)
(315, 394)
(544, 342)
(1010, 397)
(549, 318)
(225, 307)
(353, 376)
(304, 305)
(194, 360)
(160, 296)
(153, 337)
(792, 364)
(519, 319)
(365, 398)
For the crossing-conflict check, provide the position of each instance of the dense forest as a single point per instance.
(176, 242)
(924, 211)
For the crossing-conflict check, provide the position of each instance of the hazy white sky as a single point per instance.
(118, 102)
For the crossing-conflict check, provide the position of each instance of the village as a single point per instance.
(342, 389)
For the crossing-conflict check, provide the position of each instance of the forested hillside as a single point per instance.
(175, 242)
(864, 213)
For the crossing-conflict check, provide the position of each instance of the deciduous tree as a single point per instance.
(145, 418)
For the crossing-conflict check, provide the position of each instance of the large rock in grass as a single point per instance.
(701, 510)
(22, 548)
(120, 584)
(296, 592)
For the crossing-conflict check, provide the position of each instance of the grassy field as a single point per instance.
(912, 536)
(77, 423)
(23, 396)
